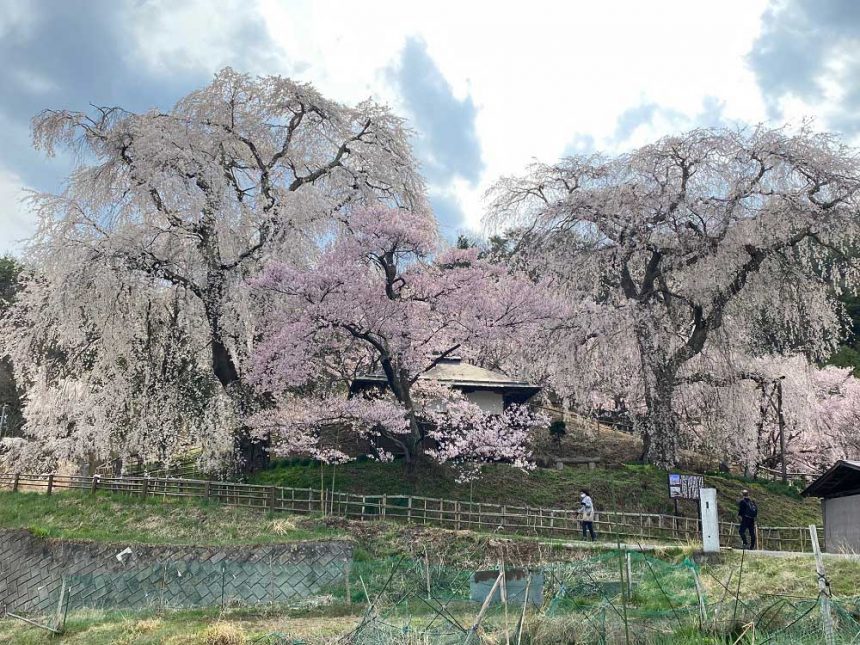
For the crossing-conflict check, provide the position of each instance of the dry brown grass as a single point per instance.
(282, 526)
(223, 633)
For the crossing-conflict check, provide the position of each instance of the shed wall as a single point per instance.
(842, 524)
(491, 402)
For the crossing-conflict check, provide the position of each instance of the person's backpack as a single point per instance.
(752, 509)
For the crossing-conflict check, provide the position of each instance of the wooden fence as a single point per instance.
(775, 475)
(450, 514)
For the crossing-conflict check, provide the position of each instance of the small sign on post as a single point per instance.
(685, 486)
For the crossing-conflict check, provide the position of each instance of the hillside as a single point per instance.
(628, 488)
(615, 484)
(124, 519)
(618, 483)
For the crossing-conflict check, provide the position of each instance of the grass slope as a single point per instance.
(115, 518)
(624, 487)
(127, 519)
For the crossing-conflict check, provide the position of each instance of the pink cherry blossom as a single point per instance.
(385, 295)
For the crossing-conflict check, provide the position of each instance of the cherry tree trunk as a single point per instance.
(413, 443)
(660, 425)
(251, 454)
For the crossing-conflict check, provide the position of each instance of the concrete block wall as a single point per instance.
(97, 575)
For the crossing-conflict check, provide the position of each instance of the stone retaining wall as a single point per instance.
(34, 570)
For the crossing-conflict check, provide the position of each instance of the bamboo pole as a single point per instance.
(522, 622)
(703, 612)
(504, 594)
(623, 599)
(823, 588)
(629, 577)
(474, 628)
(427, 571)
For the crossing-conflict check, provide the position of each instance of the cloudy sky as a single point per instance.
(487, 86)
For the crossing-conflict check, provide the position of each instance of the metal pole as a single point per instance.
(781, 420)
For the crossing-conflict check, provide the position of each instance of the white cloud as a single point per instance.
(538, 76)
(197, 35)
(545, 78)
(17, 222)
(16, 19)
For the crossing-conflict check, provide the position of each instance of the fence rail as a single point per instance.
(775, 475)
(445, 513)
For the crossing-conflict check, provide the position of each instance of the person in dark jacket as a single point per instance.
(747, 514)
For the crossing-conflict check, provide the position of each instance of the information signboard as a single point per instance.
(685, 486)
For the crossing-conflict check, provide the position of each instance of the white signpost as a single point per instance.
(710, 520)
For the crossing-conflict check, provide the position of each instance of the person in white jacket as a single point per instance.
(586, 513)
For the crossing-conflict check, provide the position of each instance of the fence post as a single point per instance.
(144, 489)
(62, 606)
(348, 570)
(409, 510)
(15, 482)
(271, 578)
(823, 588)
(208, 489)
(272, 492)
(50, 483)
(384, 504)
(703, 612)
(629, 575)
(223, 579)
(94, 485)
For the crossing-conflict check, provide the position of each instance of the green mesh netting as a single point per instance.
(585, 601)
(610, 597)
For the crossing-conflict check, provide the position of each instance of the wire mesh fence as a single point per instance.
(616, 596)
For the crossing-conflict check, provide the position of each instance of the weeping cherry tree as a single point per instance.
(683, 254)
(140, 263)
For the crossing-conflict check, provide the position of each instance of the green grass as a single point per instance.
(627, 487)
(188, 627)
(792, 576)
(115, 518)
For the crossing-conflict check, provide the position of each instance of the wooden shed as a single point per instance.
(492, 391)
(839, 490)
